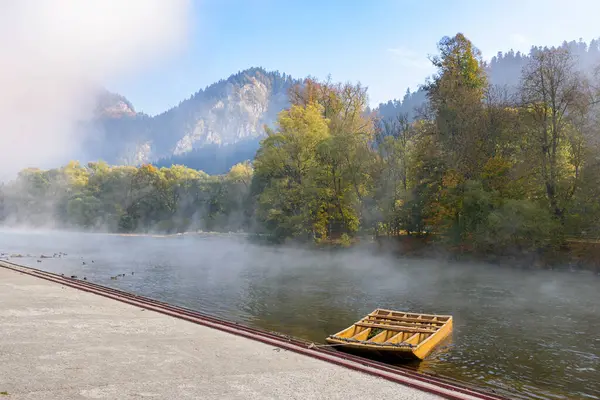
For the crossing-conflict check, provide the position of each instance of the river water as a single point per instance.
(522, 333)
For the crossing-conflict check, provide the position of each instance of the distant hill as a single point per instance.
(222, 124)
(504, 69)
(214, 158)
(224, 114)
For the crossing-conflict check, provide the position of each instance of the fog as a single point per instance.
(521, 333)
(57, 54)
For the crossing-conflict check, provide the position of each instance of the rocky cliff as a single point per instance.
(225, 114)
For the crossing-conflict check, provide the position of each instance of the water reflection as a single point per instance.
(532, 334)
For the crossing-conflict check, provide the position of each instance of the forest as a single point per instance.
(479, 166)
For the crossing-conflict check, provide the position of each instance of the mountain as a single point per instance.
(112, 105)
(504, 69)
(222, 124)
(217, 118)
(213, 158)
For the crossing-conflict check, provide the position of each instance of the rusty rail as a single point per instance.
(435, 385)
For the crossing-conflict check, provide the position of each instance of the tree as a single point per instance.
(241, 173)
(456, 96)
(239, 181)
(286, 167)
(394, 141)
(550, 88)
(147, 200)
(346, 155)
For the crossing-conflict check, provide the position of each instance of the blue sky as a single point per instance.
(384, 44)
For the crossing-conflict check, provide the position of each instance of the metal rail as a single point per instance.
(435, 385)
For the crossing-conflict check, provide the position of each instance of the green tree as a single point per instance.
(550, 89)
(456, 96)
(289, 200)
(346, 155)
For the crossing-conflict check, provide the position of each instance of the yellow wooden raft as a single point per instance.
(387, 332)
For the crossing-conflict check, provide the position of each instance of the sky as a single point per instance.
(54, 56)
(384, 44)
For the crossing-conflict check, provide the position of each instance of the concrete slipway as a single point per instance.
(58, 342)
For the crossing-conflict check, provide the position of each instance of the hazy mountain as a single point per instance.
(224, 114)
(504, 70)
(223, 123)
(214, 158)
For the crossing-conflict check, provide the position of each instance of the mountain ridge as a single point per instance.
(224, 113)
(228, 116)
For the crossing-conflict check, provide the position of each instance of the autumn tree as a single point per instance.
(346, 155)
(289, 201)
(456, 101)
(550, 90)
(456, 96)
(394, 142)
(238, 183)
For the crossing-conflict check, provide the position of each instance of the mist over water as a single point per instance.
(56, 57)
(526, 334)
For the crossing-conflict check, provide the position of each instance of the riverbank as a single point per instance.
(576, 254)
(502, 315)
(60, 342)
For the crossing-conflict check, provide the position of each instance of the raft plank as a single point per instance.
(395, 328)
(422, 324)
(406, 319)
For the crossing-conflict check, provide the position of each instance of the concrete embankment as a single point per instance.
(62, 343)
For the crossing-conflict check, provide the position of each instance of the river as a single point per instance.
(522, 333)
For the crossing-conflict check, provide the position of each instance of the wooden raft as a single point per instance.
(397, 333)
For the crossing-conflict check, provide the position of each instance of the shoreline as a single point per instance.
(578, 255)
(233, 351)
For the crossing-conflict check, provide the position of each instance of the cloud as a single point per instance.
(56, 53)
